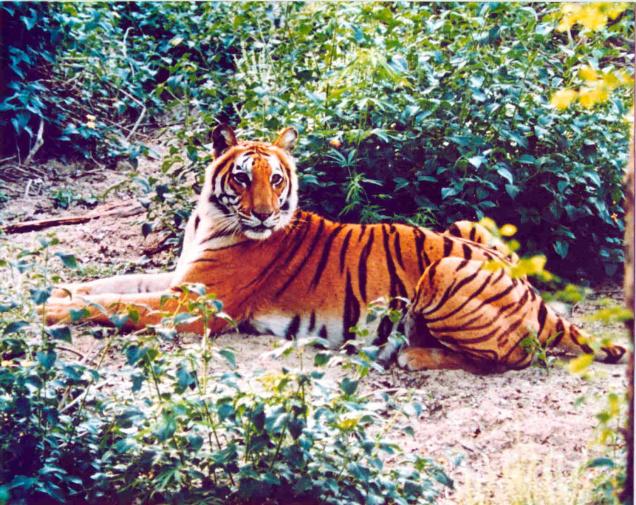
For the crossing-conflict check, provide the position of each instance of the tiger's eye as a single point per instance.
(276, 179)
(241, 178)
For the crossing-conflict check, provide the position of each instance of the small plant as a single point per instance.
(539, 351)
(184, 426)
(64, 198)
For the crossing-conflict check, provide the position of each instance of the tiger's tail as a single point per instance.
(558, 333)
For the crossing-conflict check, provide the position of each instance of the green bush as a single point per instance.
(183, 426)
(435, 112)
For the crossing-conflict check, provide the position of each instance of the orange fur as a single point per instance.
(289, 272)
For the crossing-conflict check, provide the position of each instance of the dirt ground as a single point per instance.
(477, 427)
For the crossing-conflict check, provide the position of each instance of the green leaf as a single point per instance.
(528, 159)
(348, 386)
(601, 462)
(118, 320)
(69, 260)
(40, 296)
(166, 428)
(505, 173)
(561, 247)
(59, 332)
(15, 327)
(229, 357)
(46, 358)
(78, 314)
(512, 190)
(195, 441)
(321, 358)
(477, 161)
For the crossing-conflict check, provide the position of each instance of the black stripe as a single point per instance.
(363, 229)
(560, 332)
(398, 251)
(197, 220)
(323, 332)
(301, 264)
(543, 313)
(498, 296)
(462, 265)
(468, 252)
(384, 330)
(312, 321)
(343, 251)
(448, 246)
(216, 249)
(362, 266)
(420, 239)
(219, 206)
(292, 329)
(502, 272)
(220, 169)
(450, 291)
(465, 326)
(466, 301)
(215, 234)
(397, 287)
(473, 232)
(351, 310)
(204, 260)
(224, 179)
(454, 230)
(322, 263)
(514, 346)
(503, 336)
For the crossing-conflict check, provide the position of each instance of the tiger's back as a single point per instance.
(319, 276)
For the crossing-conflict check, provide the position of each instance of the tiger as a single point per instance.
(288, 272)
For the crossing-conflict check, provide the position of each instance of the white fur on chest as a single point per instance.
(282, 325)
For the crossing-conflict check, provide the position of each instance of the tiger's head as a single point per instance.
(251, 187)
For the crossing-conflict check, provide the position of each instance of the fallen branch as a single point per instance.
(158, 245)
(118, 210)
(39, 141)
(137, 123)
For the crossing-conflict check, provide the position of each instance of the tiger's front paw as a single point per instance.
(409, 359)
(58, 310)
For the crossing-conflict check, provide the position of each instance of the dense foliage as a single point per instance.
(425, 112)
(184, 426)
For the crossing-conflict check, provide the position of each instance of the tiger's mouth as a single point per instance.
(260, 232)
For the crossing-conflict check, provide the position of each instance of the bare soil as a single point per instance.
(474, 426)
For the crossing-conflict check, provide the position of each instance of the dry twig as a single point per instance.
(119, 210)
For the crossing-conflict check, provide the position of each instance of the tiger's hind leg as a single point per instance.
(119, 284)
(485, 314)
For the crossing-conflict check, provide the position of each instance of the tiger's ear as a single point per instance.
(287, 139)
(222, 139)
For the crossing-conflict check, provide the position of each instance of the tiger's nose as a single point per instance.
(262, 215)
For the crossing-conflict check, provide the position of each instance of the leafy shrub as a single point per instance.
(184, 426)
(421, 112)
